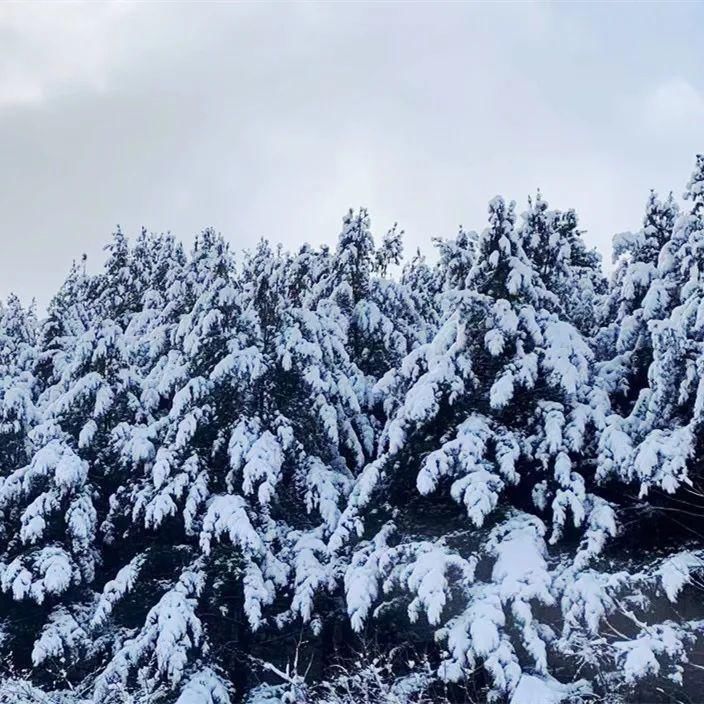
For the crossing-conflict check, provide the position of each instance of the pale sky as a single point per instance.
(273, 119)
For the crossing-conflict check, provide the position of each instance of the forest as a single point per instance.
(344, 475)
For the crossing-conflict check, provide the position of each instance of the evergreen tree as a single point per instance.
(299, 477)
(501, 398)
(555, 246)
(625, 341)
(456, 259)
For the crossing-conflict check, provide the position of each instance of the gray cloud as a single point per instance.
(271, 120)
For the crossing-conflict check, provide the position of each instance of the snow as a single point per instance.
(542, 690)
(170, 633)
(204, 687)
(263, 467)
(59, 637)
(653, 647)
(114, 590)
(227, 514)
(676, 572)
(214, 464)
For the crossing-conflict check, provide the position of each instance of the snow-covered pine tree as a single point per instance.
(390, 251)
(162, 457)
(624, 343)
(303, 480)
(554, 244)
(653, 441)
(423, 285)
(381, 316)
(18, 385)
(456, 258)
(496, 409)
(650, 446)
(252, 432)
(52, 503)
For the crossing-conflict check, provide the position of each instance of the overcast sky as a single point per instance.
(272, 120)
